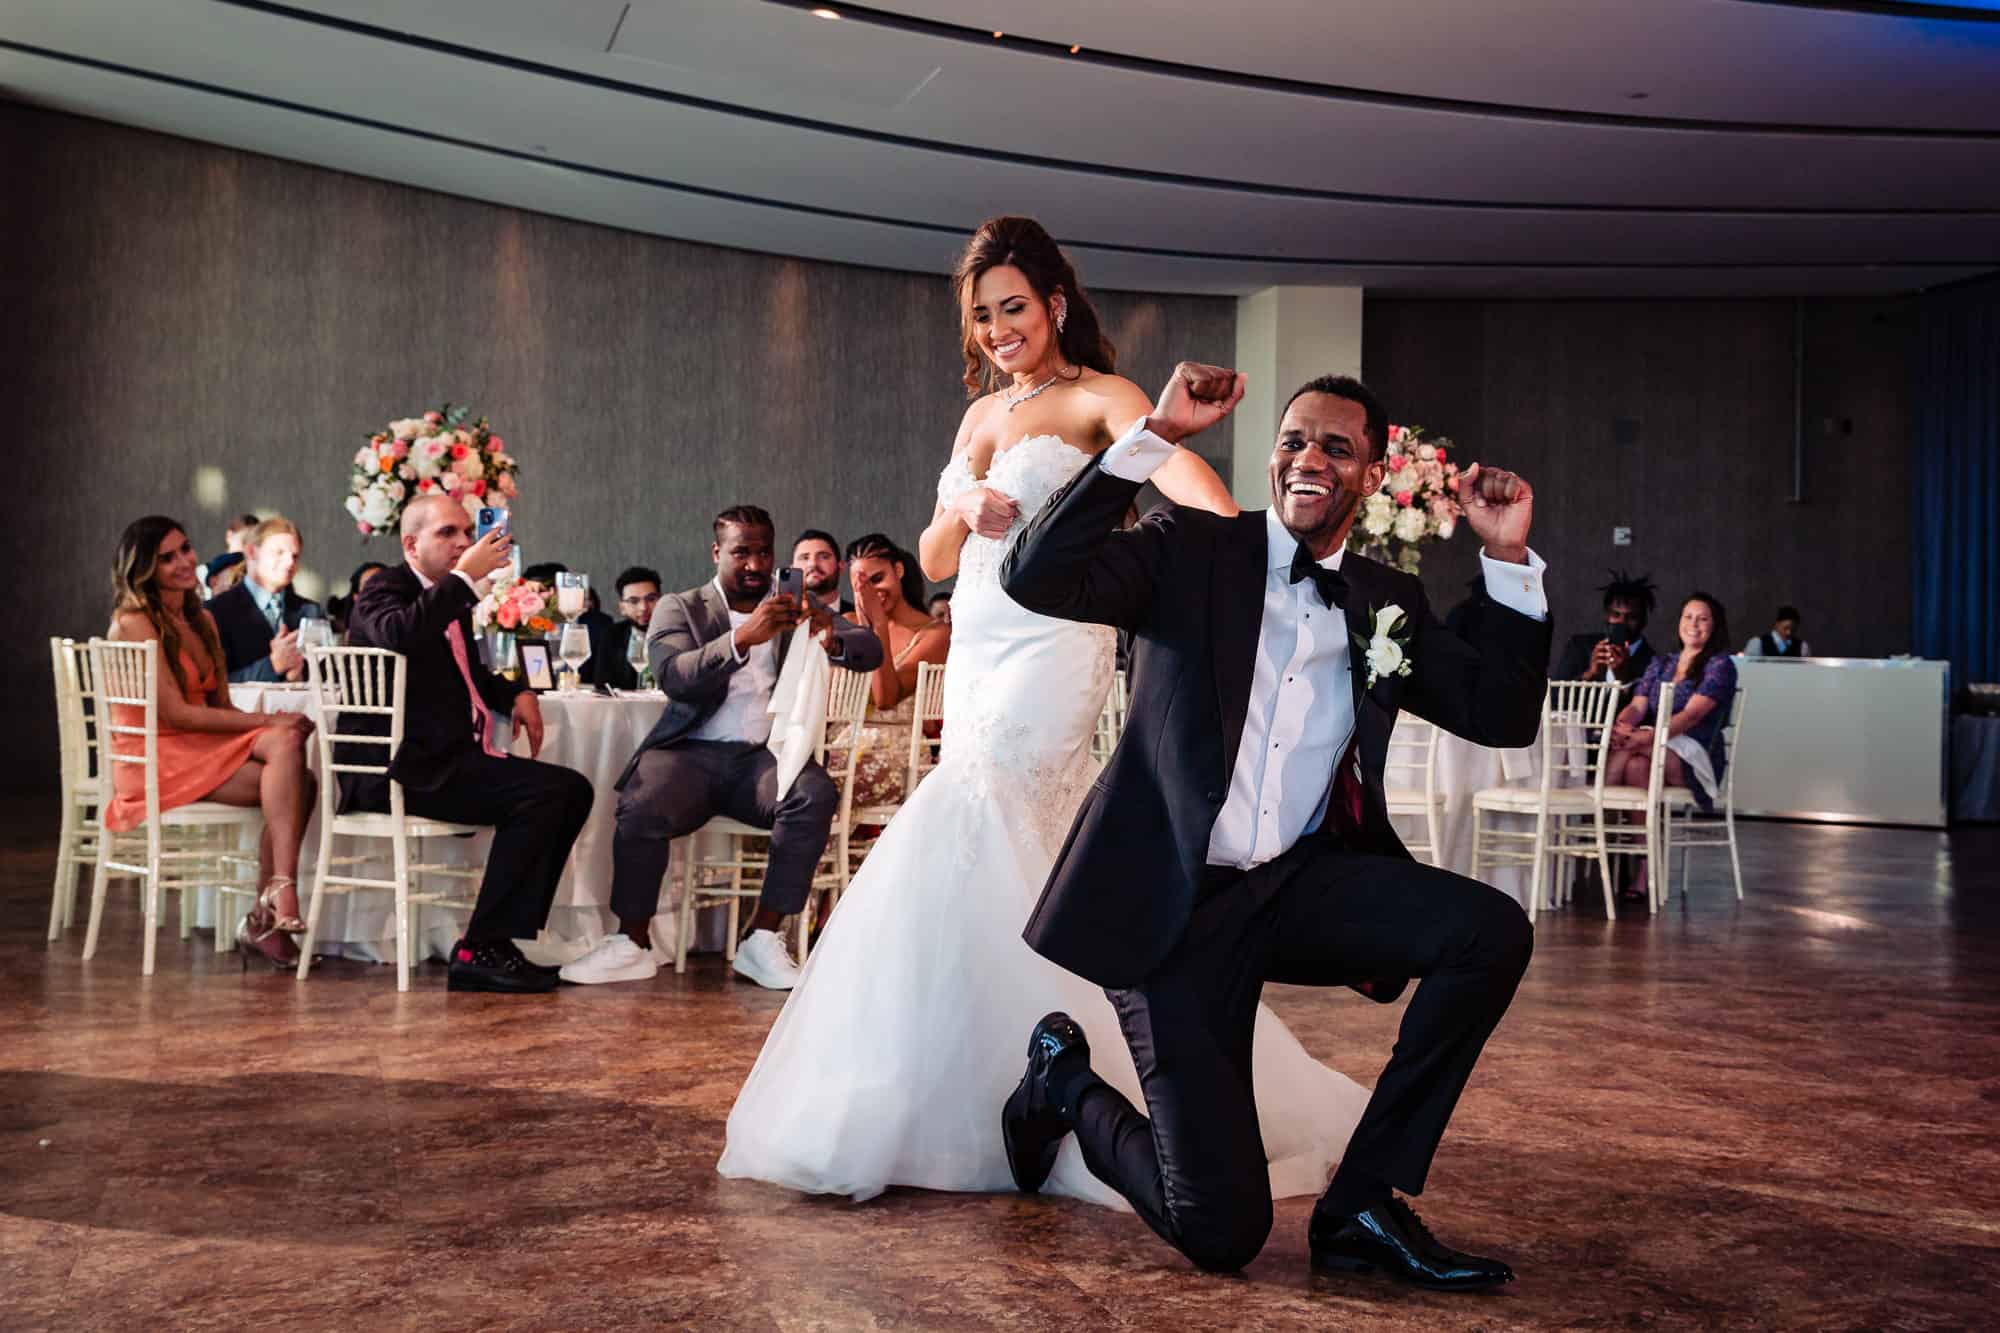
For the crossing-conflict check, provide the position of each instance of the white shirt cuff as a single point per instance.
(741, 655)
(1517, 587)
(1137, 455)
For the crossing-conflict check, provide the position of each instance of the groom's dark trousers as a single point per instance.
(1315, 916)
(1184, 948)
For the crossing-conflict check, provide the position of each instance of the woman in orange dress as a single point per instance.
(208, 748)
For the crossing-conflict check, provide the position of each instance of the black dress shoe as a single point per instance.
(1032, 1123)
(1390, 1238)
(497, 967)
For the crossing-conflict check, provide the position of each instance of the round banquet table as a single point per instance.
(591, 733)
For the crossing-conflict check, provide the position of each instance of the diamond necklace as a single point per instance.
(1014, 401)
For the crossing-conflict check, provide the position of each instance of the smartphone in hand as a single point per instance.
(492, 519)
(791, 582)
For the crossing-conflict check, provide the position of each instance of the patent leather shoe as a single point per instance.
(1033, 1121)
(1390, 1238)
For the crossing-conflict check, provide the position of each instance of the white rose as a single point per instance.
(354, 506)
(1446, 526)
(449, 481)
(1401, 482)
(1379, 503)
(472, 505)
(1377, 522)
(1409, 525)
(397, 490)
(409, 428)
(1385, 657)
(1427, 452)
(377, 507)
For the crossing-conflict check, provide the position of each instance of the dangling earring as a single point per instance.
(1062, 315)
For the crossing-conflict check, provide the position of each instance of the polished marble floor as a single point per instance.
(1774, 1115)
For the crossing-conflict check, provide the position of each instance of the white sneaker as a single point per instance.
(764, 959)
(615, 958)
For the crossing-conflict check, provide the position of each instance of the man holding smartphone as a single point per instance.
(716, 651)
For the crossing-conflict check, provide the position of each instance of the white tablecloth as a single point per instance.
(590, 733)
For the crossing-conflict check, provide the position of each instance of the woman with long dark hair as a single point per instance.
(209, 750)
(896, 1050)
(888, 599)
(1704, 679)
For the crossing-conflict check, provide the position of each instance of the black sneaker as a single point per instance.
(496, 966)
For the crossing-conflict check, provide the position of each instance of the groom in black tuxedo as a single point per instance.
(1239, 833)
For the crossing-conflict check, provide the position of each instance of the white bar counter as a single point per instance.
(1844, 740)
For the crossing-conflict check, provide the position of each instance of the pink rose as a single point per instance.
(1397, 462)
(426, 485)
(531, 603)
(1406, 498)
(435, 418)
(1441, 454)
(508, 617)
(402, 448)
(507, 487)
(493, 444)
(459, 451)
(479, 488)
(364, 528)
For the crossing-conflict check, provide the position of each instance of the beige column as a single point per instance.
(1284, 337)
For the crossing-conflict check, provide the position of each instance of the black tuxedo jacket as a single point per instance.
(687, 648)
(397, 612)
(607, 665)
(1189, 585)
(246, 635)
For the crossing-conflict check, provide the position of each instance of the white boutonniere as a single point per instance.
(1388, 651)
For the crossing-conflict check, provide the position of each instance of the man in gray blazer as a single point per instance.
(716, 650)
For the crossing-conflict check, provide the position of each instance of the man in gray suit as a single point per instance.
(716, 650)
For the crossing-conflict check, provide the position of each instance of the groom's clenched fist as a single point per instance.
(1195, 398)
(1498, 507)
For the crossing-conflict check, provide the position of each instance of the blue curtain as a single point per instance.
(1956, 523)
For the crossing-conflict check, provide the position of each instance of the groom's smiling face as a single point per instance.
(1323, 466)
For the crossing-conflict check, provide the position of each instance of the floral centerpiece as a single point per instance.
(518, 606)
(1415, 505)
(447, 451)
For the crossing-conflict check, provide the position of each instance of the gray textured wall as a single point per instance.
(1536, 386)
(172, 306)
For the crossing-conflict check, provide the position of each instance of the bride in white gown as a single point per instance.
(894, 1053)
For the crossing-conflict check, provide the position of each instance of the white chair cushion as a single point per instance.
(1528, 800)
(368, 824)
(1403, 800)
(212, 812)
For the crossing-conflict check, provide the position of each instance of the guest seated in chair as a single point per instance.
(1620, 651)
(1704, 679)
(816, 555)
(222, 573)
(450, 763)
(209, 750)
(716, 651)
(259, 618)
(1782, 640)
(638, 593)
(339, 609)
(888, 592)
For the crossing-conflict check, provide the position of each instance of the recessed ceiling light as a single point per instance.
(1074, 49)
(997, 34)
(824, 13)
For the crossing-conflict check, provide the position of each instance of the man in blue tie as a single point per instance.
(259, 618)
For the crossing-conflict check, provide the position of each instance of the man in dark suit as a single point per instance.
(1621, 650)
(258, 619)
(450, 763)
(716, 651)
(1239, 833)
(816, 555)
(638, 593)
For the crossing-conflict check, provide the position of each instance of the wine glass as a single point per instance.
(635, 657)
(574, 649)
(572, 594)
(315, 631)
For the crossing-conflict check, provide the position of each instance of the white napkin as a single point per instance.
(798, 706)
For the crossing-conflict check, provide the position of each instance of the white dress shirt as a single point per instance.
(745, 714)
(1300, 714)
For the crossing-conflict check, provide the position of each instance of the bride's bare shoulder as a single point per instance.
(976, 415)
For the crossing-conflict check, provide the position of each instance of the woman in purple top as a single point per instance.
(1704, 678)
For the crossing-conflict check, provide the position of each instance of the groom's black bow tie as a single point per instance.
(1332, 587)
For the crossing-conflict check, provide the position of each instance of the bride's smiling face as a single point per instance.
(1010, 322)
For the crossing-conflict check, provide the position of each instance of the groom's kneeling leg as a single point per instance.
(1196, 1170)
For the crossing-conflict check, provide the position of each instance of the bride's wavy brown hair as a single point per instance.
(135, 583)
(1023, 243)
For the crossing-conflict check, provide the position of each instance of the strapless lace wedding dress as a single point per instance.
(909, 1025)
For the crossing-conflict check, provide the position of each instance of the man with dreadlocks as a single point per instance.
(1621, 649)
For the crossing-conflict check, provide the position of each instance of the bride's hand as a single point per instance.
(986, 511)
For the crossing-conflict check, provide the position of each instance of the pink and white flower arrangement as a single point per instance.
(1415, 504)
(520, 606)
(447, 450)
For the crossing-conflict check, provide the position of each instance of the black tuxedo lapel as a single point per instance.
(1236, 618)
(1360, 626)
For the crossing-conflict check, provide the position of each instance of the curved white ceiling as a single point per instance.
(1413, 147)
